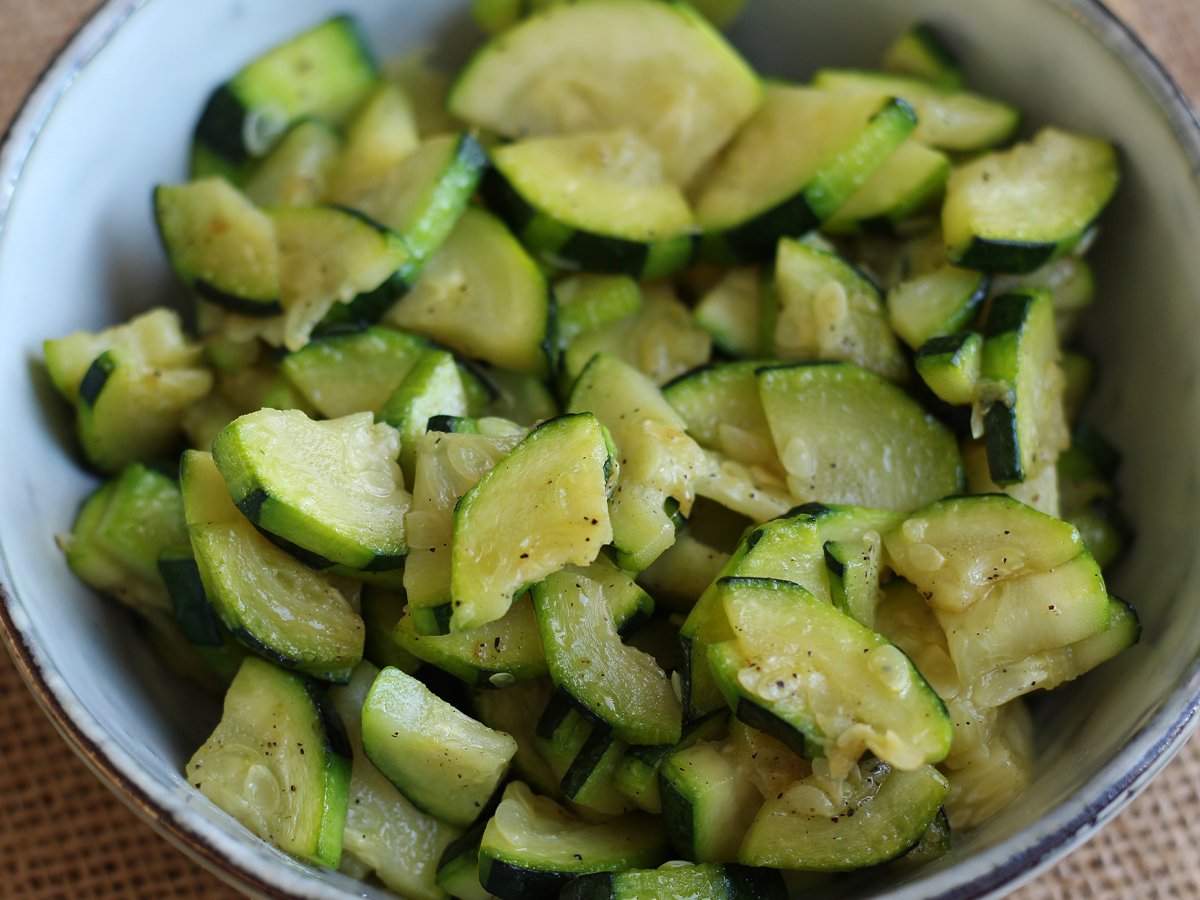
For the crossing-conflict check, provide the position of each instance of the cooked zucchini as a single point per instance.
(937, 303)
(920, 52)
(710, 880)
(433, 386)
(729, 312)
(950, 366)
(297, 171)
(907, 183)
(382, 134)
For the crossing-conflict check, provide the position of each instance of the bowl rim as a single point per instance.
(1001, 867)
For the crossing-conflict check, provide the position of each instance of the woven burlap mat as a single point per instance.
(64, 835)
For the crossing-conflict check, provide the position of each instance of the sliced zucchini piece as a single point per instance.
(1040, 490)
(921, 52)
(1067, 178)
(711, 880)
(946, 119)
(658, 69)
(828, 310)
(332, 488)
(197, 622)
(907, 183)
(279, 763)
(381, 609)
(516, 709)
(515, 396)
(1020, 397)
(341, 374)
(220, 245)
(729, 312)
(950, 366)
(384, 831)
(587, 301)
(658, 461)
(617, 684)
(1071, 284)
(937, 303)
(879, 816)
(297, 171)
(589, 780)
(855, 692)
(445, 762)
(458, 869)
(432, 387)
(984, 782)
(382, 134)
(746, 491)
(532, 846)
(597, 201)
(683, 572)
(765, 186)
(548, 495)
(637, 774)
(1105, 530)
(482, 296)
(324, 72)
(275, 605)
(845, 435)
(853, 546)
(934, 844)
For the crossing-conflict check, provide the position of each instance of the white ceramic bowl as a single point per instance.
(78, 250)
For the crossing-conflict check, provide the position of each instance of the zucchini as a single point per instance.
(552, 485)
(765, 186)
(1041, 491)
(381, 609)
(298, 169)
(433, 386)
(921, 52)
(586, 301)
(597, 201)
(382, 134)
(907, 183)
(324, 72)
(279, 763)
(1068, 178)
(589, 780)
(332, 489)
(950, 366)
(664, 73)
(442, 760)
(987, 780)
(937, 303)
(197, 621)
(458, 869)
(729, 311)
(711, 880)
(482, 296)
(1071, 284)
(637, 774)
(516, 709)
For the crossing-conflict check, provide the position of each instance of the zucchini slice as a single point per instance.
(516, 709)
(296, 172)
(279, 763)
(384, 831)
(432, 387)
(543, 507)
(532, 846)
(637, 774)
(382, 134)
(616, 684)
(657, 68)
(658, 461)
(220, 245)
(708, 802)
(987, 780)
(950, 366)
(766, 185)
(597, 201)
(381, 610)
(729, 311)
(1017, 209)
(855, 692)
(710, 880)
(879, 816)
(458, 869)
(828, 310)
(332, 489)
(445, 762)
(324, 72)
(937, 303)
(482, 296)
(274, 604)
(845, 435)
(907, 183)
(921, 52)
(586, 301)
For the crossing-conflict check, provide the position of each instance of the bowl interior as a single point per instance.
(78, 251)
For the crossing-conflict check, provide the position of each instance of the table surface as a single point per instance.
(63, 834)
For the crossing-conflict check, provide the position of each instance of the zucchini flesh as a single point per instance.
(729, 312)
(382, 134)
(920, 52)
(482, 296)
(683, 88)
(937, 303)
(708, 802)
(458, 869)
(879, 818)
(986, 780)
(553, 485)
(432, 387)
(532, 847)
(586, 301)
(905, 184)
(617, 684)
(441, 759)
(381, 609)
(847, 436)
(950, 367)
(296, 172)
(516, 709)
(384, 830)
(279, 763)
(710, 880)
(331, 488)
(1067, 178)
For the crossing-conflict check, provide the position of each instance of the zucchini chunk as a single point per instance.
(658, 69)
(617, 684)
(921, 52)
(442, 760)
(384, 831)
(658, 461)
(544, 506)
(589, 781)
(937, 303)
(482, 296)
(324, 72)
(279, 763)
(766, 186)
(950, 366)
(985, 781)
(197, 621)
(881, 814)
(934, 844)
(220, 245)
(597, 201)
(907, 183)
(1017, 209)
(853, 549)
(448, 464)
(458, 869)
(1040, 491)
(297, 171)
(381, 610)
(828, 310)
(1071, 284)
(729, 311)
(586, 301)
(531, 847)
(946, 119)
(1021, 388)
(710, 880)
(516, 709)
(271, 602)
(433, 386)
(340, 374)
(637, 774)
(845, 435)
(332, 488)
(855, 692)
(382, 134)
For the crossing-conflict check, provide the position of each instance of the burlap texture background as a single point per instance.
(64, 835)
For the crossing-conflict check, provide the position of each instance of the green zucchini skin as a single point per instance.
(719, 882)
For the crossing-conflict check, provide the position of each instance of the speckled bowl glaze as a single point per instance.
(112, 116)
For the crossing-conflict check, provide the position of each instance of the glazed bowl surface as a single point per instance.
(112, 117)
